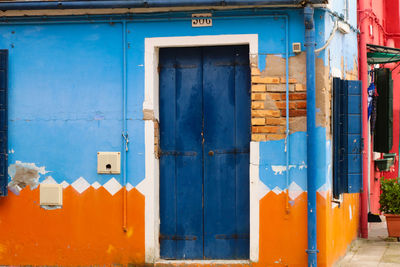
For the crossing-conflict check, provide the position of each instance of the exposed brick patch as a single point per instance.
(269, 105)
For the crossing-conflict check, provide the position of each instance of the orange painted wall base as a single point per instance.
(86, 231)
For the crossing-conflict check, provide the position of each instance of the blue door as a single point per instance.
(204, 158)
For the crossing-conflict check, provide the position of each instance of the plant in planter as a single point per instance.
(390, 205)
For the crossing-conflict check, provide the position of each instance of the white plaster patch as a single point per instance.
(277, 190)
(112, 186)
(41, 170)
(64, 184)
(295, 190)
(302, 165)
(96, 185)
(80, 185)
(279, 169)
(49, 180)
(23, 174)
(129, 187)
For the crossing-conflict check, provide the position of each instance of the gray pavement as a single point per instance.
(378, 250)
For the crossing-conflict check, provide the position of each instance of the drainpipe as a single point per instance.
(312, 138)
(287, 144)
(124, 132)
(363, 24)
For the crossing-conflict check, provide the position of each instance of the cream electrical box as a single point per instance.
(109, 162)
(51, 194)
(296, 47)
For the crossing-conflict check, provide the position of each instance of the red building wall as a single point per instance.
(378, 22)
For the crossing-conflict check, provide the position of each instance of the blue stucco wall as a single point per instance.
(66, 85)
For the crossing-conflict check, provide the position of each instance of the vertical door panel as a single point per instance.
(226, 204)
(167, 161)
(243, 137)
(189, 171)
(181, 177)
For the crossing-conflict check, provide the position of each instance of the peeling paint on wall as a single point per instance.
(24, 174)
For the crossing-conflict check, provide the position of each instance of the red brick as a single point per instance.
(265, 113)
(295, 113)
(257, 105)
(258, 88)
(258, 137)
(301, 105)
(265, 129)
(258, 79)
(275, 96)
(257, 121)
(258, 96)
(295, 96)
(282, 105)
(275, 121)
(291, 80)
(298, 96)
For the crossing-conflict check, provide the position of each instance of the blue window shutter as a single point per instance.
(347, 165)
(353, 136)
(3, 121)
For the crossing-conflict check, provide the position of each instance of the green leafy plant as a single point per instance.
(390, 196)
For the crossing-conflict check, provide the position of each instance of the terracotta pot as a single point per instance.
(393, 224)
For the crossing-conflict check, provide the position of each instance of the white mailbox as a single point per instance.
(109, 162)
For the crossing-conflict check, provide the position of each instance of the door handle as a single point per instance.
(211, 153)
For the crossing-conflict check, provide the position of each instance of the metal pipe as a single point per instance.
(41, 5)
(364, 95)
(125, 132)
(287, 142)
(312, 137)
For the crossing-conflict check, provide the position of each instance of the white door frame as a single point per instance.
(150, 185)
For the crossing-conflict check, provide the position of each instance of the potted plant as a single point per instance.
(390, 205)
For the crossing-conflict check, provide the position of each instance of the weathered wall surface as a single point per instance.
(66, 95)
